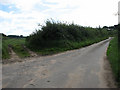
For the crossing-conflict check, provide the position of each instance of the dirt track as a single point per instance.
(82, 68)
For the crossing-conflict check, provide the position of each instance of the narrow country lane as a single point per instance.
(81, 68)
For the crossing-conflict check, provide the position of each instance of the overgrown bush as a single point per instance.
(57, 34)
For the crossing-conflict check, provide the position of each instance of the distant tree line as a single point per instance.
(110, 27)
(13, 36)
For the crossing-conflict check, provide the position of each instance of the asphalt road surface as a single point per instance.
(81, 68)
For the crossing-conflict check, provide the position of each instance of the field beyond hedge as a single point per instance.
(16, 44)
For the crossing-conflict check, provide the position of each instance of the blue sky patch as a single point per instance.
(40, 7)
(8, 8)
(50, 3)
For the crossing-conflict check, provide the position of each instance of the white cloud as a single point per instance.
(31, 12)
(24, 5)
(20, 23)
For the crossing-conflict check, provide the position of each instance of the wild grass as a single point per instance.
(113, 56)
(5, 51)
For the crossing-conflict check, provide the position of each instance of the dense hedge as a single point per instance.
(57, 34)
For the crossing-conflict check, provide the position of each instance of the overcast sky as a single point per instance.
(21, 17)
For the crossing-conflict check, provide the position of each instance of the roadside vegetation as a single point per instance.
(56, 37)
(113, 56)
(5, 51)
(16, 44)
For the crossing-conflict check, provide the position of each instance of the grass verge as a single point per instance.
(112, 54)
(71, 46)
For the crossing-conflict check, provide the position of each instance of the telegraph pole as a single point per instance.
(118, 41)
(119, 20)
